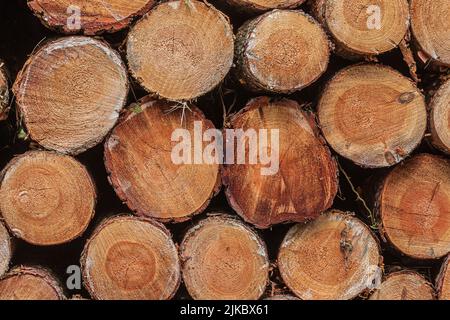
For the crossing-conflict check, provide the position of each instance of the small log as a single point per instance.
(363, 28)
(413, 204)
(181, 49)
(30, 283)
(138, 158)
(443, 280)
(404, 285)
(256, 6)
(281, 51)
(88, 17)
(223, 259)
(335, 257)
(372, 115)
(440, 118)
(46, 198)
(131, 258)
(5, 249)
(70, 93)
(430, 25)
(4, 92)
(302, 179)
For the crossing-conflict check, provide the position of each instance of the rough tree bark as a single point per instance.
(95, 16)
(440, 118)
(5, 249)
(70, 93)
(281, 51)
(334, 257)
(256, 6)
(223, 259)
(404, 285)
(30, 283)
(4, 92)
(413, 203)
(181, 49)
(138, 158)
(131, 258)
(363, 28)
(305, 183)
(443, 280)
(372, 115)
(46, 198)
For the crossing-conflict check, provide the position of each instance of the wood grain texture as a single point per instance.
(335, 257)
(130, 258)
(223, 259)
(305, 184)
(413, 203)
(372, 115)
(70, 93)
(5, 249)
(96, 16)
(4, 92)
(440, 118)
(257, 6)
(181, 49)
(443, 280)
(46, 198)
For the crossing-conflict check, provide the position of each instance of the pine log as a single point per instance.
(46, 198)
(181, 49)
(131, 258)
(138, 158)
(70, 93)
(223, 259)
(5, 249)
(443, 280)
(404, 285)
(372, 115)
(281, 51)
(413, 203)
(335, 257)
(440, 118)
(89, 17)
(30, 283)
(363, 28)
(430, 25)
(4, 92)
(256, 6)
(306, 181)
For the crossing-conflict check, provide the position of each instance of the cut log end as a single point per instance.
(440, 118)
(256, 6)
(46, 198)
(300, 180)
(131, 258)
(281, 51)
(429, 25)
(334, 257)
(181, 49)
(139, 155)
(88, 17)
(223, 259)
(404, 285)
(443, 280)
(372, 115)
(30, 283)
(70, 93)
(413, 205)
(4, 92)
(5, 249)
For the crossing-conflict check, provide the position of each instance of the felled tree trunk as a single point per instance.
(256, 6)
(89, 17)
(363, 28)
(372, 115)
(4, 92)
(223, 259)
(46, 198)
(70, 93)
(413, 203)
(30, 283)
(5, 249)
(439, 118)
(181, 49)
(334, 257)
(131, 258)
(281, 51)
(443, 280)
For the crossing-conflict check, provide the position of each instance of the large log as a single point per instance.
(223, 259)
(372, 115)
(443, 280)
(440, 118)
(70, 93)
(46, 198)
(181, 49)
(256, 6)
(5, 249)
(334, 257)
(413, 204)
(131, 258)
(281, 51)
(4, 92)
